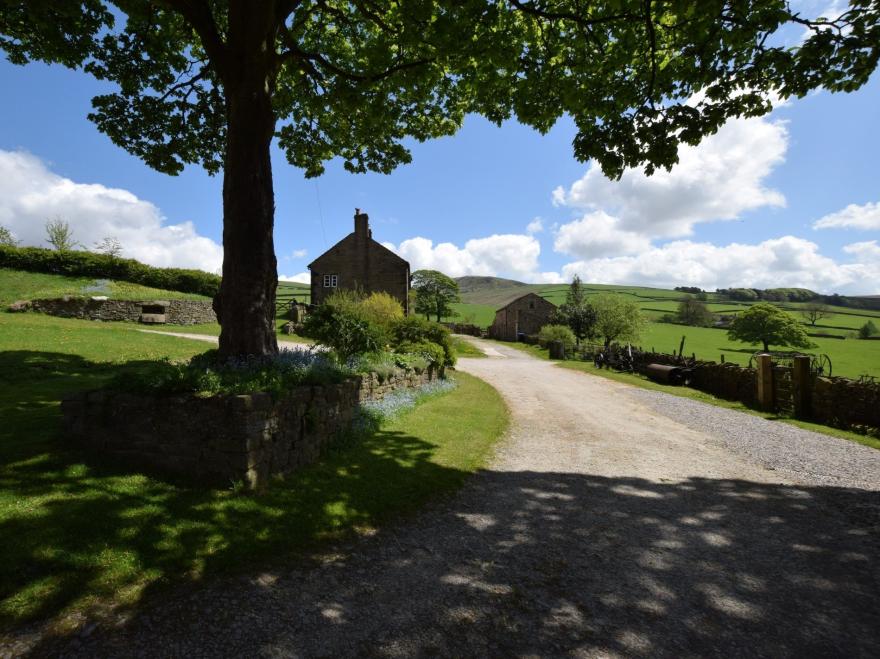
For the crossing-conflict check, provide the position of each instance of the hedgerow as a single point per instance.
(103, 266)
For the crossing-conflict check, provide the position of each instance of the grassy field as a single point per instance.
(849, 356)
(18, 285)
(88, 535)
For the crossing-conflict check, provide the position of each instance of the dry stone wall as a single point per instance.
(222, 439)
(845, 403)
(177, 312)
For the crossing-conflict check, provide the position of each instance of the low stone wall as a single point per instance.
(845, 403)
(222, 439)
(177, 312)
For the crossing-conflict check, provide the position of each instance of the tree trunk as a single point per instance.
(246, 303)
(766, 346)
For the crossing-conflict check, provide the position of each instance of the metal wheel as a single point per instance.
(821, 365)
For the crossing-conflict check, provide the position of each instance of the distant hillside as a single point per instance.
(492, 290)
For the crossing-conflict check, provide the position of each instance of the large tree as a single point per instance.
(435, 292)
(214, 82)
(768, 325)
(617, 319)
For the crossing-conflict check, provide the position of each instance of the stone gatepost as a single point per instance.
(802, 387)
(765, 382)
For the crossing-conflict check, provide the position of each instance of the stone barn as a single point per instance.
(525, 315)
(357, 262)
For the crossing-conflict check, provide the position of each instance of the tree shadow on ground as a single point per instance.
(538, 564)
(85, 531)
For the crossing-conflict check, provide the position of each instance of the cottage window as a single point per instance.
(531, 305)
(330, 281)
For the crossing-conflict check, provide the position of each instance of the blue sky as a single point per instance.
(739, 210)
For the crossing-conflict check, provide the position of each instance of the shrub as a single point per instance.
(561, 333)
(381, 309)
(104, 266)
(868, 330)
(344, 330)
(431, 352)
(414, 330)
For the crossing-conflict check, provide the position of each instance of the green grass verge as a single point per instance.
(464, 348)
(693, 394)
(88, 535)
(18, 285)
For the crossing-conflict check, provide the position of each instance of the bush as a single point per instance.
(561, 333)
(415, 330)
(868, 330)
(343, 330)
(105, 266)
(431, 352)
(381, 309)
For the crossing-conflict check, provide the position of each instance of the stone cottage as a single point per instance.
(525, 315)
(357, 262)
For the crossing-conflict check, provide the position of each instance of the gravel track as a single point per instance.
(804, 456)
(611, 523)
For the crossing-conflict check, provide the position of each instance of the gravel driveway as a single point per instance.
(612, 522)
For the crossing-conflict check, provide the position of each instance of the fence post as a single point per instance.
(801, 385)
(765, 382)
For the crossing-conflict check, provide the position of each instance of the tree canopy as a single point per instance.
(214, 82)
(435, 292)
(617, 319)
(768, 325)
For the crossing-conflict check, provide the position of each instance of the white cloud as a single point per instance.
(508, 255)
(864, 252)
(299, 253)
(535, 226)
(781, 262)
(719, 179)
(865, 217)
(598, 234)
(301, 278)
(30, 194)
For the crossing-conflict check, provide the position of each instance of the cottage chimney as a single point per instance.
(361, 224)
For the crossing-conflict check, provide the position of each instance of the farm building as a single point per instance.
(357, 262)
(525, 315)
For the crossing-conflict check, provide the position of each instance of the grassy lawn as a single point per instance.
(213, 329)
(19, 285)
(686, 392)
(88, 535)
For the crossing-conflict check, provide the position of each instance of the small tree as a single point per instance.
(692, 311)
(434, 293)
(868, 330)
(576, 312)
(814, 311)
(60, 235)
(110, 246)
(767, 324)
(6, 237)
(617, 319)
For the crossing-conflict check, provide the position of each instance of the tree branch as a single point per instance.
(531, 8)
(198, 14)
